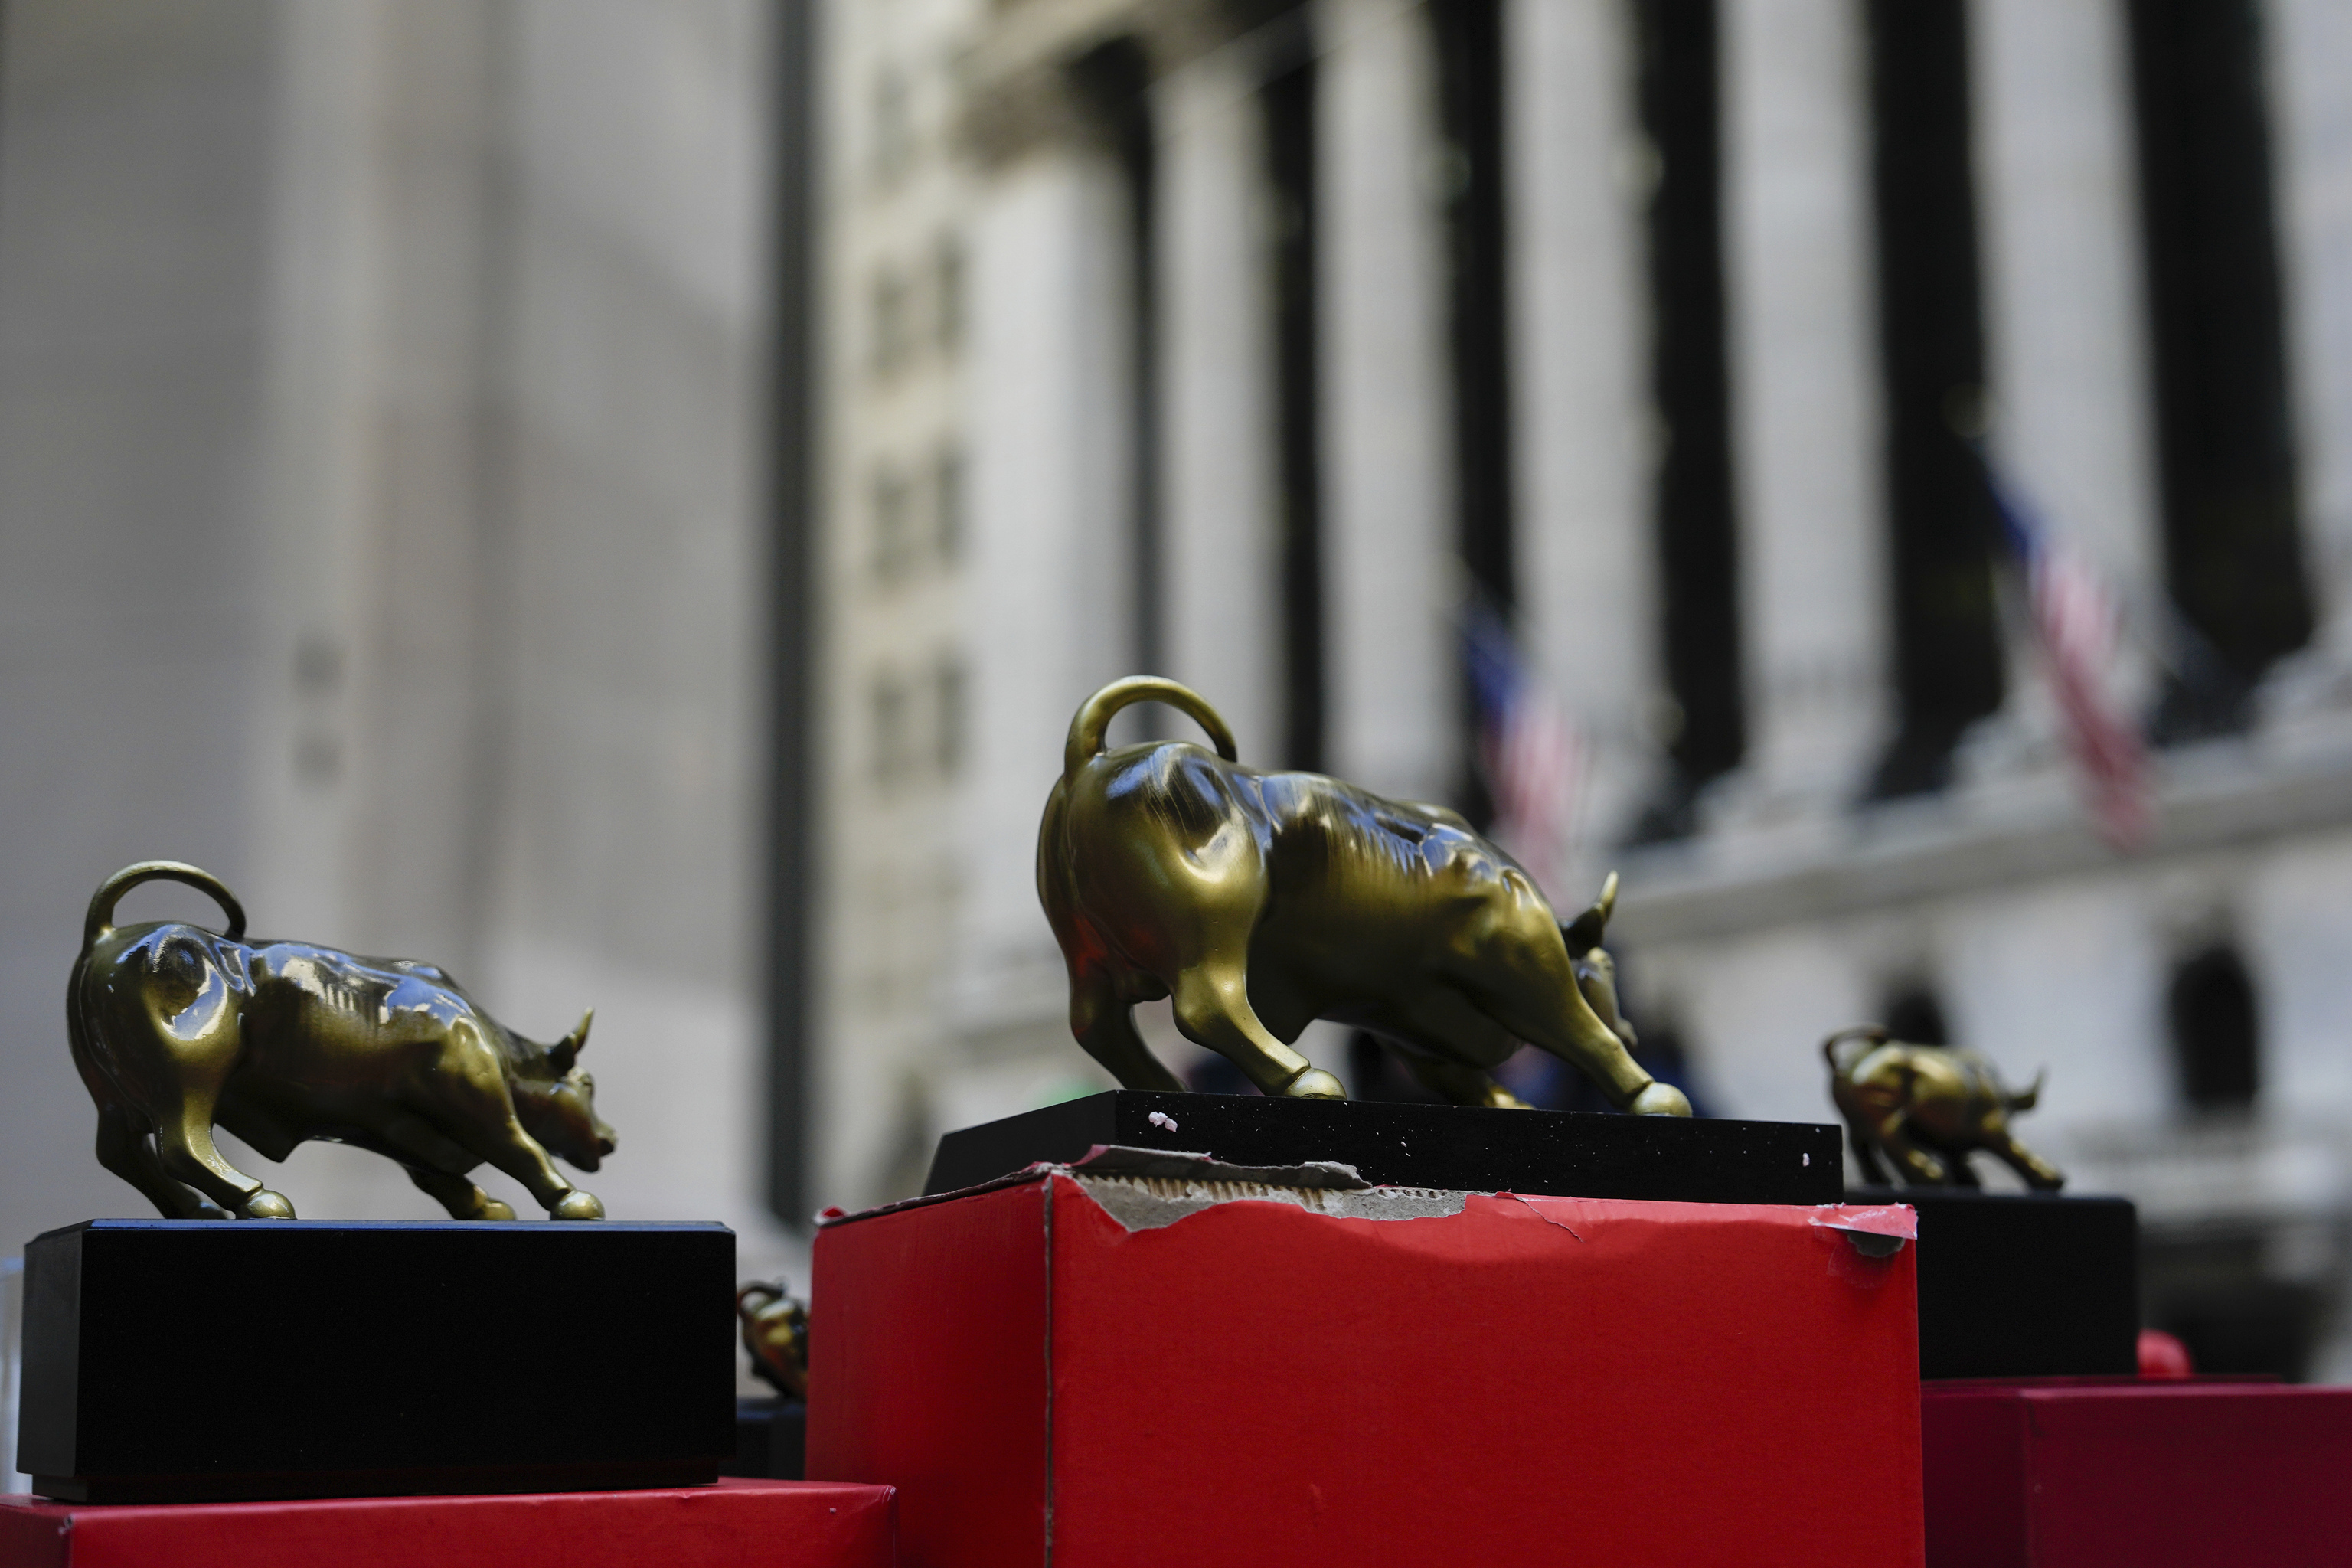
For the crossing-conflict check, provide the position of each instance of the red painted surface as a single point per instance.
(2168, 1474)
(926, 1360)
(1537, 1380)
(734, 1524)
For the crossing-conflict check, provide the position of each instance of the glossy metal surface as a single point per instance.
(775, 1331)
(176, 1029)
(1925, 1108)
(1259, 902)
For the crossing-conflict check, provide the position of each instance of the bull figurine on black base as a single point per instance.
(1925, 1108)
(176, 1029)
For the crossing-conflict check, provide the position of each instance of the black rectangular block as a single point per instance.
(183, 1361)
(1564, 1153)
(2023, 1285)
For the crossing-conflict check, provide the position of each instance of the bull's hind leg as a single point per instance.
(2039, 1172)
(124, 1150)
(461, 1197)
(1461, 1085)
(1520, 976)
(1104, 1024)
(184, 1143)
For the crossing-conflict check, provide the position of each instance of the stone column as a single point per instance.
(2311, 110)
(1048, 542)
(1222, 567)
(2065, 322)
(1391, 573)
(1806, 421)
(1588, 594)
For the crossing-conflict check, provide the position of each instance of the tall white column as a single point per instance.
(2311, 114)
(1391, 572)
(1048, 539)
(1588, 596)
(2064, 312)
(1223, 567)
(1806, 416)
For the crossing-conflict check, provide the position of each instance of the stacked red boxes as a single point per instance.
(1523, 1380)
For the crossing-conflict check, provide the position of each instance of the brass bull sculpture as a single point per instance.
(1926, 1108)
(176, 1029)
(1259, 902)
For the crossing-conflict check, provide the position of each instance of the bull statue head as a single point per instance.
(1596, 972)
(562, 1115)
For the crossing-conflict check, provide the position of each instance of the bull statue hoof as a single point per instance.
(494, 1208)
(1660, 1099)
(577, 1205)
(266, 1205)
(1314, 1084)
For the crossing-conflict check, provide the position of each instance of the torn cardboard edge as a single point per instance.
(1145, 1189)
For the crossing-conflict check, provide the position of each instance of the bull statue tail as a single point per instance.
(2026, 1099)
(1873, 1033)
(100, 918)
(1094, 716)
(1584, 932)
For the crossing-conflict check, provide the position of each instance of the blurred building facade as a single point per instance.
(1246, 343)
(383, 527)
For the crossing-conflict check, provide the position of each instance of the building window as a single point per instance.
(893, 745)
(1469, 50)
(892, 505)
(894, 125)
(1948, 652)
(2224, 428)
(946, 294)
(1690, 393)
(2216, 1034)
(890, 324)
(948, 505)
(1287, 101)
(948, 715)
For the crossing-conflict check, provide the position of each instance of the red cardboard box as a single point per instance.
(734, 1524)
(2054, 1474)
(1526, 1380)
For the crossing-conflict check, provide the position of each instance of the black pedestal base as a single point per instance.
(1567, 1154)
(2014, 1285)
(771, 1439)
(186, 1361)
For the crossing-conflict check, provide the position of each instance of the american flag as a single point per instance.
(1530, 755)
(2077, 622)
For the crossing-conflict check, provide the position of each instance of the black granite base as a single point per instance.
(1570, 1154)
(771, 1439)
(184, 1361)
(2016, 1285)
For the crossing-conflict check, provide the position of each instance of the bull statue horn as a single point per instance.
(1584, 932)
(566, 1051)
(2031, 1094)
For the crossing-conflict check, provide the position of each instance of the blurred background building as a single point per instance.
(624, 496)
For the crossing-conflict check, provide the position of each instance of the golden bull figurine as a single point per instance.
(176, 1029)
(1259, 902)
(776, 1332)
(1926, 1108)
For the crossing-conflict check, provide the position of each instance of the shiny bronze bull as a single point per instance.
(1926, 1108)
(176, 1029)
(1259, 902)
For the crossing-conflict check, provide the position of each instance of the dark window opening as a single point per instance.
(2234, 558)
(1914, 1016)
(792, 792)
(2216, 1033)
(1288, 104)
(1114, 83)
(1469, 39)
(1690, 392)
(1947, 632)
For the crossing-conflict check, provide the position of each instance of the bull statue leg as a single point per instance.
(184, 1143)
(2038, 1173)
(1919, 1167)
(1521, 977)
(1104, 1022)
(124, 1150)
(461, 1197)
(1207, 925)
(1864, 1143)
(1459, 1085)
